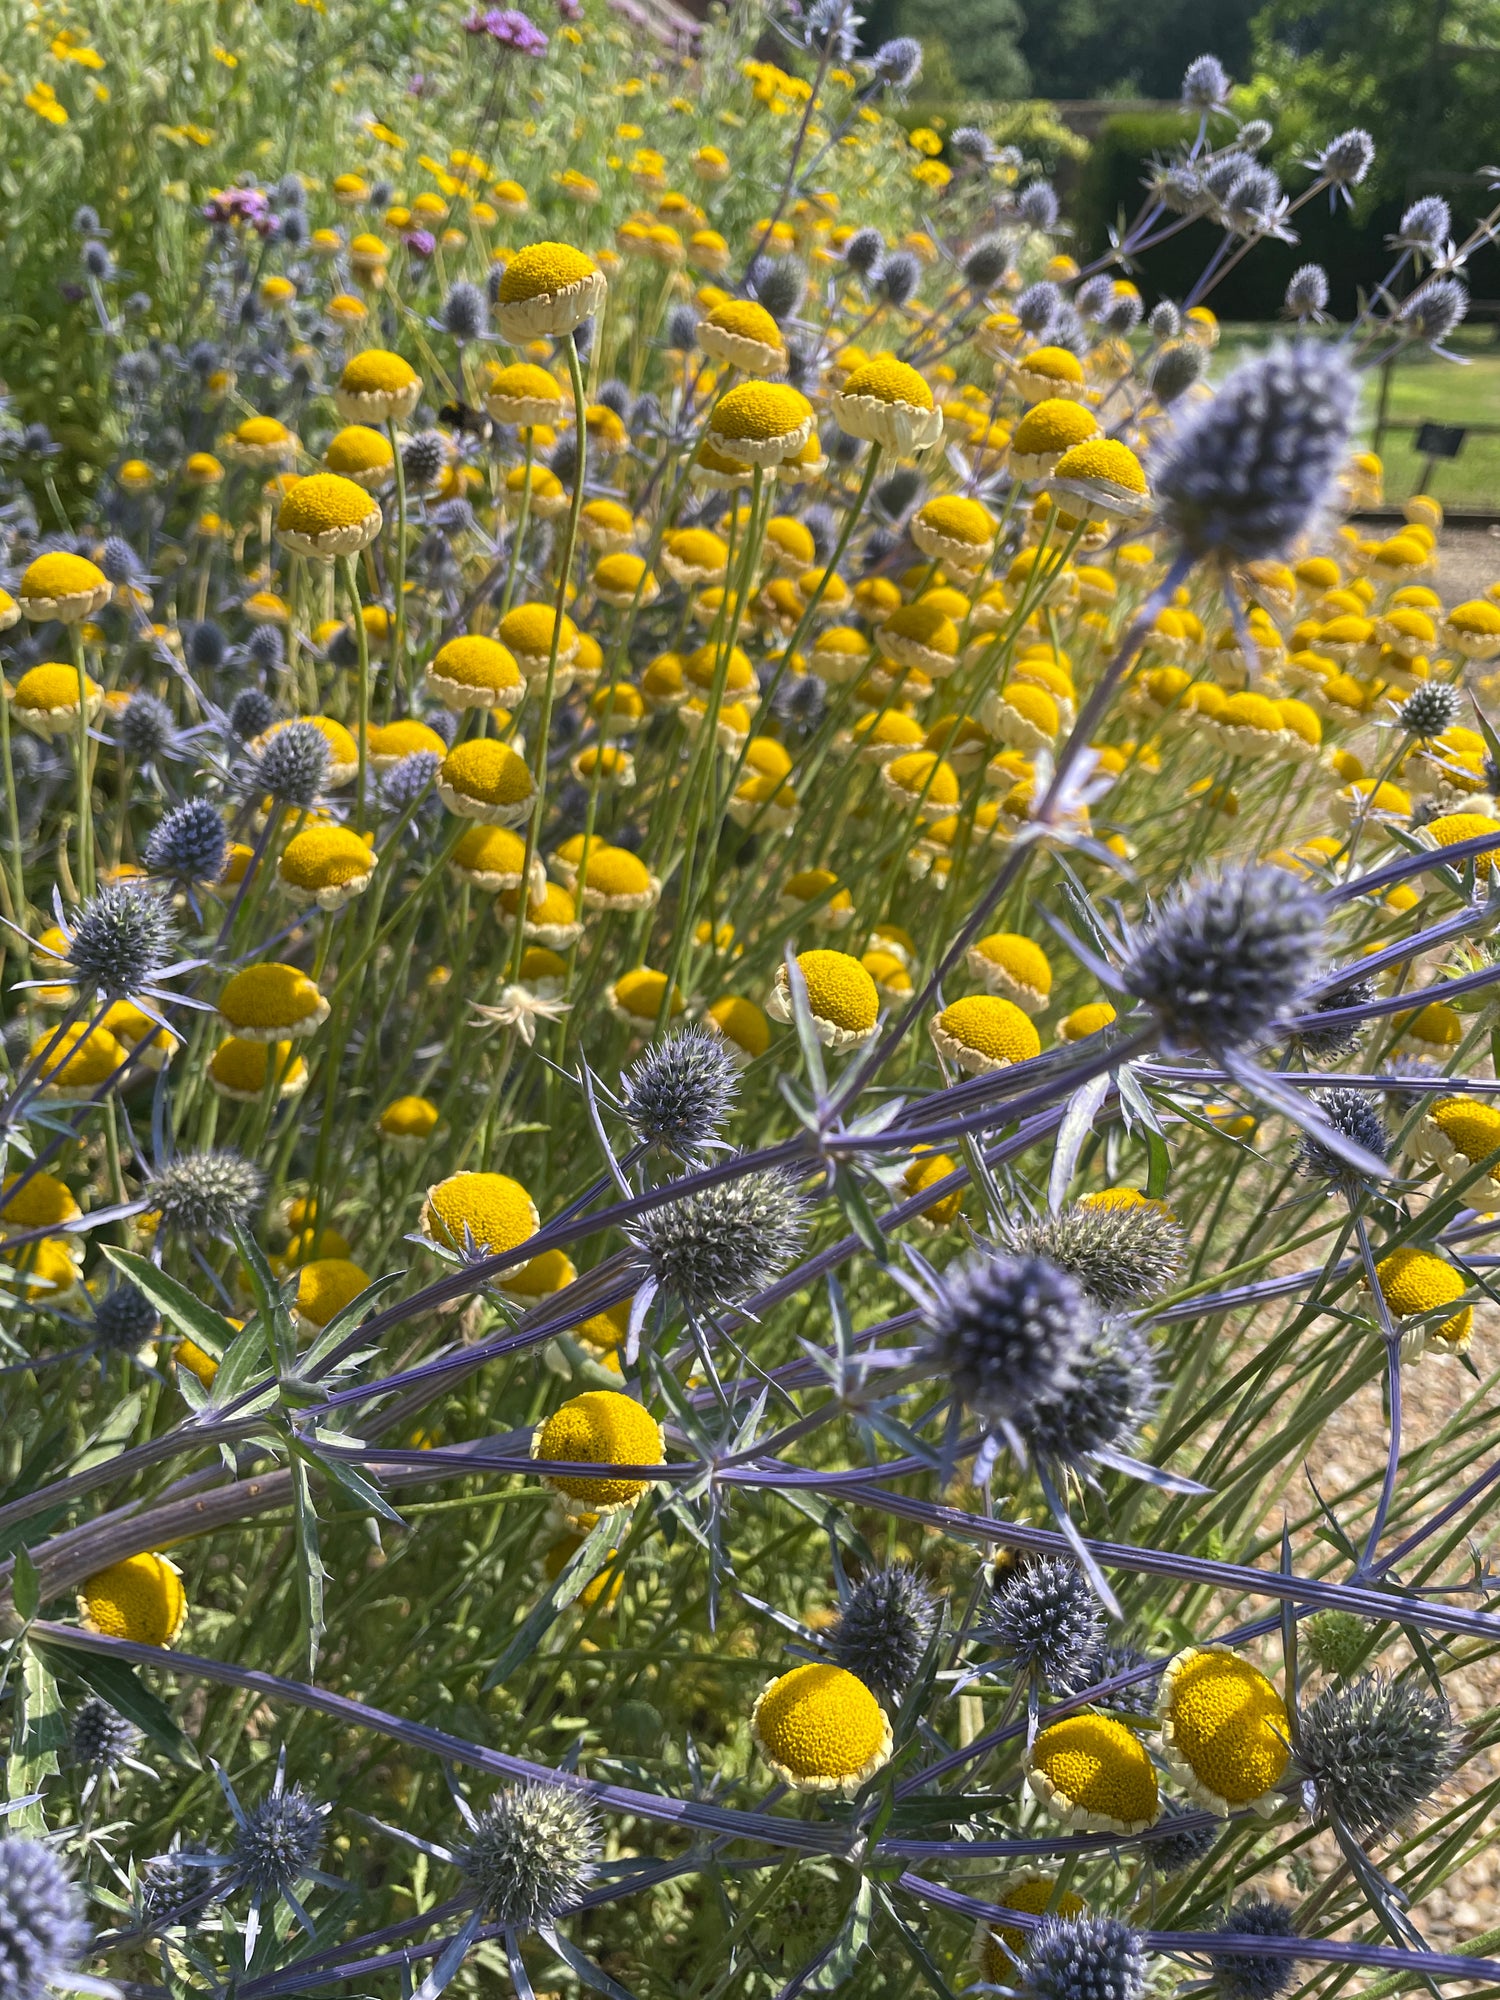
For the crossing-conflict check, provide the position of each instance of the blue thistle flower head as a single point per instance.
(884, 1630)
(1205, 84)
(1248, 474)
(680, 1092)
(120, 940)
(43, 1934)
(1046, 1621)
(124, 1319)
(1005, 1331)
(146, 727)
(100, 1737)
(1256, 1976)
(1085, 1958)
(530, 1855)
(278, 1842)
(189, 843)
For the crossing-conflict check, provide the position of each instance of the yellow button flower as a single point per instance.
(263, 442)
(1034, 1894)
(1416, 1285)
(958, 531)
(744, 334)
(140, 1599)
(612, 878)
(325, 1285)
(389, 742)
(636, 997)
(1451, 828)
(1048, 372)
(272, 1003)
(983, 1033)
(45, 698)
(326, 516)
(1224, 1730)
(1093, 1774)
(760, 423)
(494, 858)
(361, 454)
(37, 1201)
(1015, 967)
(1048, 430)
(327, 865)
(1105, 475)
(78, 1061)
(742, 1026)
(66, 587)
(491, 1211)
(841, 997)
(924, 1172)
(887, 402)
(238, 1069)
(527, 630)
(475, 672)
(523, 393)
(487, 781)
(408, 1122)
(546, 290)
(377, 387)
(821, 1730)
(600, 1427)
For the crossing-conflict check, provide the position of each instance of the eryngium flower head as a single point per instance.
(1376, 1751)
(1355, 1113)
(1430, 709)
(408, 782)
(173, 1889)
(1179, 1846)
(899, 276)
(1205, 84)
(1251, 470)
(206, 646)
(1258, 1976)
(898, 62)
(1432, 312)
(189, 843)
(530, 1855)
(864, 250)
(423, 457)
(1306, 292)
(1113, 1392)
(1139, 1698)
(1123, 316)
(1005, 1331)
(465, 311)
(1226, 956)
(719, 1244)
(1346, 160)
(251, 714)
(121, 939)
(1037, 205)
(884, 1630)
(1337, 1641)
(206, 1194)
(146, 727)
(1176, 369)
(43, 1934)
(986, 263)
(898, 491)
(117, 558)
(1118, 1255)
(1085, 1958)
(278, 1843)
(970, 142)
(1426, 226)
(1165, 322)
(100, 1736)
(293, 766)
(682, 327)
(1038, 306)
(266, 646)
(1340, 1037)
(1046, 1620)
(681, 1091)
(124, 1319)
(778, 284)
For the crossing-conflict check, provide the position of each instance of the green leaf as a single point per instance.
(345, 1321)
(176, 1304)
(802, 1019)
(847, 1947)
(245, 1358)
(25, 1587)
(577, 1574)
(126, 1692)
(38, 1732)
(859, 1214)
(311, 1575)
(268, 1298)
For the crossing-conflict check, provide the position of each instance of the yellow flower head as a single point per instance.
(486, 780)
(360, 454)
(40, 1202)
(1093, 1774)
(491, 1210)
(600, 1427)
(742, 333)
(546, 291)
(956, 530)
(760, 423)
(742, 1026)
(475, 672)
(239, 1069)
(1034, 1894)
(140, 1599)
(325, 1286)
(408, 1121)
(77, 1061)
(377, 387)
(272, 1003)
(327, 865)
(887, 401)
(984, 1033)
(1015, 967)
(1224, 1730)
(1451, 828)
(326, 515)
(821, 1730)
(63, 586)
(841, 997)
(1104, 474)
(637, 996)
(1417, 1284)
(1048, 430)
(45, 698)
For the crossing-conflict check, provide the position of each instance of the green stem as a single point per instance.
(362, 692)
(81, 754)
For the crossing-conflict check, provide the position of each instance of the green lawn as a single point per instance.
(1424, 387)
